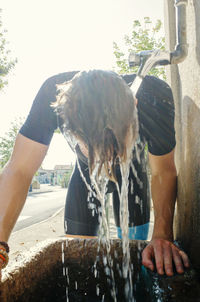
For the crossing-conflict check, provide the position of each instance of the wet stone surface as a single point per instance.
(77, 271)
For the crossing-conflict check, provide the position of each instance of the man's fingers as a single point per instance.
(177, 260)
(158, 251)
(167, 253)
(147, 256)
(185, 258)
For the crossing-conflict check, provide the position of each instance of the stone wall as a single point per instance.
(79, 270)
(185, 82)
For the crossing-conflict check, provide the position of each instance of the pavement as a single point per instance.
(44, 188)
(25, 239)
(51, 228)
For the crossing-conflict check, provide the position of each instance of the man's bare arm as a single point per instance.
(164, 189)
(15, 180)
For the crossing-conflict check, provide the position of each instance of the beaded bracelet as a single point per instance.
(4, 257)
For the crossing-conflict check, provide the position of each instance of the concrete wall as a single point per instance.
(185, 82)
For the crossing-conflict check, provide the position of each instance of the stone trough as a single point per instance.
(63, 270)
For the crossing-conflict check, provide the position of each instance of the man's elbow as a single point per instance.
(17, 172)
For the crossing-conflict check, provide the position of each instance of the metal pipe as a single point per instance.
(165, 57)
(181, 50)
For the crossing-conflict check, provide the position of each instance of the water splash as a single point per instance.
(99, 183)
(98, 190)
(65, 271)
(127, 269)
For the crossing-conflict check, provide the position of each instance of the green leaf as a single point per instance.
(6, 63)
(145, 35)
(8, 140)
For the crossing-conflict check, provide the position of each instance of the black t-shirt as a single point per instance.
(155, 113)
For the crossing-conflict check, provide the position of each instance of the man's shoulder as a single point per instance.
(155, 82)
(48, 90)
(155, 90)
(60, 78)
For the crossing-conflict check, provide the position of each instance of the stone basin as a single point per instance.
(63, 270)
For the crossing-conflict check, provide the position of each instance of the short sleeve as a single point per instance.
(42, 120)
(156, 115)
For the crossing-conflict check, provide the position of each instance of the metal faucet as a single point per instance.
(158, 57)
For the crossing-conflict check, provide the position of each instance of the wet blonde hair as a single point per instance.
(98, 108)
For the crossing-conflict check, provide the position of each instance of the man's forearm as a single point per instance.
(164, 190)
(161, 252)
(13, 191)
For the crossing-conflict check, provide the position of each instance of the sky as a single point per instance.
(52, 36)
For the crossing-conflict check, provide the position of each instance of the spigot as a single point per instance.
(136, 59)
(139, 59)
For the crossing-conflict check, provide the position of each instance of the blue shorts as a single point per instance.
(139, 232)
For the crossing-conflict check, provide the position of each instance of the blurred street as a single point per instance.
(40, 205)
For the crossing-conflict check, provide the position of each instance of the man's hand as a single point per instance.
(160, 254)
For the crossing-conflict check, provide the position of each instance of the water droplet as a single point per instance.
(76, 285)
(97, 290)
